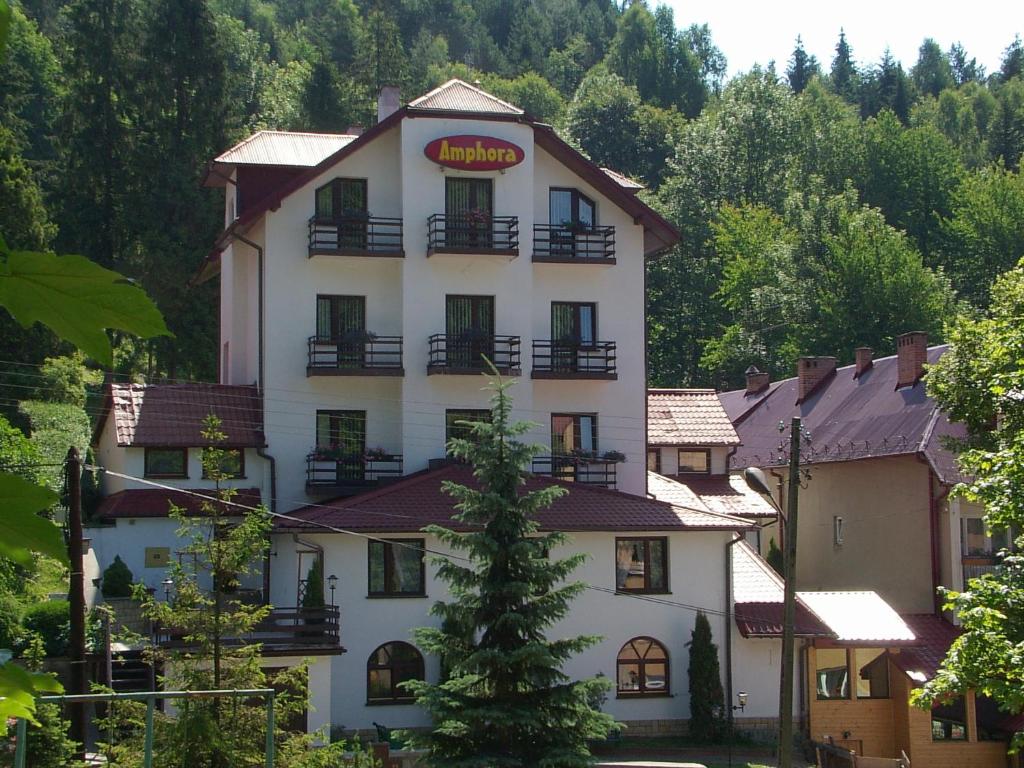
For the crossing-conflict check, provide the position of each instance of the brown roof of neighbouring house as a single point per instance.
(764, 620)
(173, 415)
(289, 148)
(156, 502)
(419, 500)
(934, 636)
(728, 496)
(848, 418)
(687, 417)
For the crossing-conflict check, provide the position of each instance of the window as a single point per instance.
(452, 417)
(949, 721)
(641, 565)
(339, 317)
(642, 668)
(694, 462)
(468, 208)
(654, 460)
(569, 207)
(872, 667)
(232, 464)
(574, 322)
(341, 438)
(389, 666)
(469, 326)
(574, 433)
(831, 673)
(341, 198)
(396, 568)
(976, 543)
(170, 463)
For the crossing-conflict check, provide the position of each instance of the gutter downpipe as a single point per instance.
(728, 630)
(934, 501)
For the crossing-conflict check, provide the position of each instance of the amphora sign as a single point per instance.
(474, 153)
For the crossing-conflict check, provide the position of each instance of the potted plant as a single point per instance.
(377, 454)
(575, 226)
(616, 456)
(354, 215)
(477, 217)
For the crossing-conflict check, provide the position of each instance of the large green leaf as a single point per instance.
(18, 690)
(22, 531)
(77, 299)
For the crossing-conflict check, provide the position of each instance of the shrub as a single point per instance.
(707, 700)
(10, 620)
(117, 579)
(314, 595)
(775, 558)
(52, 621)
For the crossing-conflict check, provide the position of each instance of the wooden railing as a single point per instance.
(577, 469)
(284, 627)
(372, 236)
(975, 567)
(559, 359)
(368, 356)
(558, 244)
(458, 353)
(458, 233)
(336, 472)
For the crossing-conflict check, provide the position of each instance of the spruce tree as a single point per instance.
(505, 700)
(844, 73)
(707, 701)
(801, 67)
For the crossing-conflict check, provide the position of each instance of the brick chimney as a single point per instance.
(811, 371)
(388, 102)
(757, 381)
(863, 357)
(911, 355)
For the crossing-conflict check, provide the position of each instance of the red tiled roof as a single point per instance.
(687, 417)
(753, 580)
(848, 418)
(765, 620)
(934, 636)
(155, 502)
(418, 500)
(172, 415)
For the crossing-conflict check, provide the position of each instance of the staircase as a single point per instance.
(129, 673)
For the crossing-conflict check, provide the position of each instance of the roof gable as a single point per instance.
(459, 96)
(688, 417)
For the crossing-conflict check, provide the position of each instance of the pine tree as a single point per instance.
(505, 700)
(801, 67)
(707, 700)
(774, 557)
(844, 74)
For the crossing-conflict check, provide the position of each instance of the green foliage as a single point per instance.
(775, 557)
(54, 428)
(48, 744)
(62, 380)
(505, 699)
(51, 619)
(10, 620)
(707, 700)
(22, 530)
(979, 381)
(314, 594)
(117, 579)
(24, 218)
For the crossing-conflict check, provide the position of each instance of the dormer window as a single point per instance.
(694, 462)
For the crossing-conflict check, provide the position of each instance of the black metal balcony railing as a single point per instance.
(372, 236)
(573, 359)
(469, 234)
(577, 469)
(557, 244)
(331, 471)
(284, 627)
(457, 353)
(362, 355)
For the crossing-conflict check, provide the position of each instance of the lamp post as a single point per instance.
(741, 702)
(167, 583)
(757, 481)
(332, 582)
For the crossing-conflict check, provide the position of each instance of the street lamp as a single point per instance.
(741, 702)
(168, 583)
(332, 582)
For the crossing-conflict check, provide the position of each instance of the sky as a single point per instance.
(751, 33)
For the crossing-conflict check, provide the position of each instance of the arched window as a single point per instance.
(389, 665)
(642, 668)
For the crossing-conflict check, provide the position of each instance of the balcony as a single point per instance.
(464, 234)
(283, 628)
(555, 244)
(977, 566)
(362, 354)
(573, 360)
(329, 472)
(369, 236)
(465, 354)
(588, 470)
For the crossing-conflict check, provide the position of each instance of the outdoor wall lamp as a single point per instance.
(741, 699)
(168, 583)
(332, 582)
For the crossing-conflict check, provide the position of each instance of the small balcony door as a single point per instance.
(573, 327)
(570, 213)
(342, 436)
(469, 326)
(572, 435)
(341, 321)
(468, 209)
(343, 202)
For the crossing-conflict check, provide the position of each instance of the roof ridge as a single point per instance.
(682, 391)
(458, 81)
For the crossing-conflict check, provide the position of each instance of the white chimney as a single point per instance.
(388, 102)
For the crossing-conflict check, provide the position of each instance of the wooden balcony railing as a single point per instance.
(975, 567)
(556, 244)
(473, 235)
(328, 471)
(361, 355)
(372, 236)
(577, 469)
(573, 360)
(459, 354)
(283, 628)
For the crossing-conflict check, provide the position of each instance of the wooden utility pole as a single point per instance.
(76, 595)
(789, 604)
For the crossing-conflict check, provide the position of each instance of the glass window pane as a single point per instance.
(587, 324)
(949, 721)
(654, 461)
(324, 201)
(165, 462)
(629, 564)
(379, 684)
(656, 579)
(655, 677)
(872, 669)
(641, 646)
(586, 435)
(831, 674)
(693, 461)
(586, 211)
(408, 556)
(560, 206)
(629, 677)
(376, 567)
(562, 441)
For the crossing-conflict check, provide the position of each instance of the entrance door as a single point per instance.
(469, 326)
(342, 435)
(343, 202)
(341, 321)
(468, 208)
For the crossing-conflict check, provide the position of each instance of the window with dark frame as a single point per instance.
(871, 669)
(232, 464)
(694, 462)
(337, 317)
(570, 207)
(641, 565)
(341, 437)
(642, 668)
(574, 322)
(831, 673)
(949, 720)
(573, 433)
(654, 460)
(453, 417)
(388, 666)
(167, 463)
(344, 202)
(396, 568)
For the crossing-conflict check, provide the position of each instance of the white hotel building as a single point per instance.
(363, 279)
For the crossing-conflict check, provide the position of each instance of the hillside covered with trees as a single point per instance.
(823, 205)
